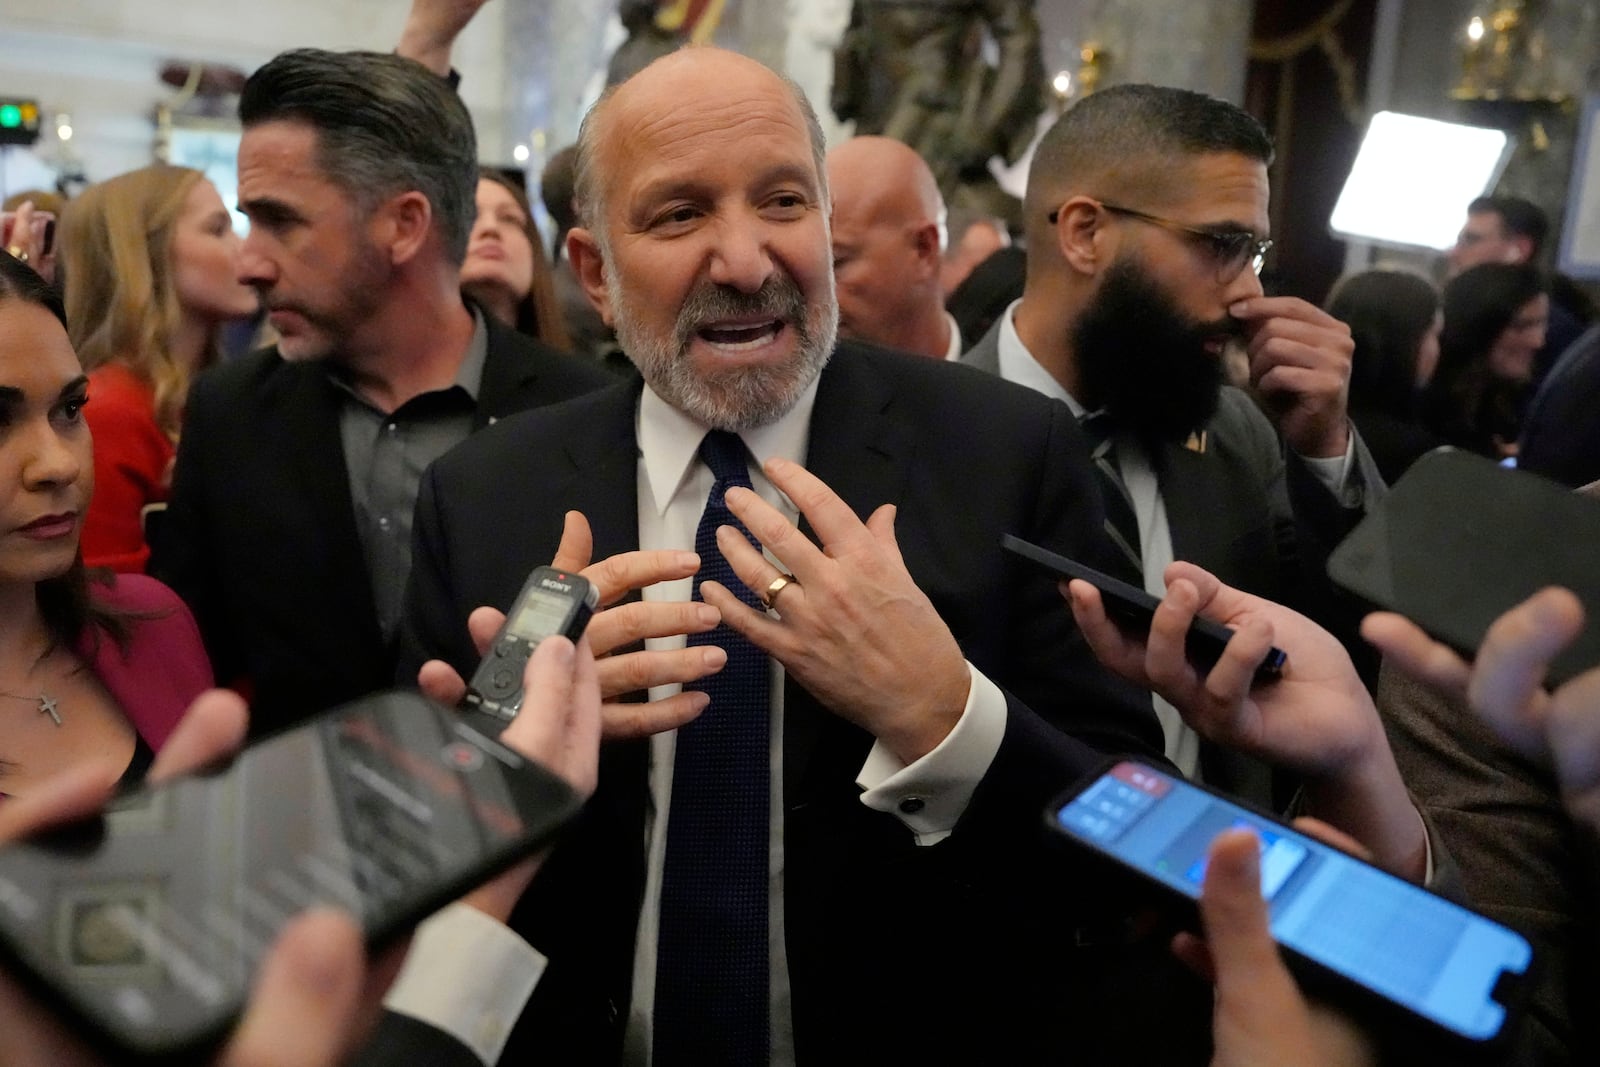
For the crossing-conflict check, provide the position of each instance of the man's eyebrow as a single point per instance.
(77, 385)
(692, 185)
(10, 396)
(267, 207)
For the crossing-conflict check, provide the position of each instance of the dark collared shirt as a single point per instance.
(385, 455)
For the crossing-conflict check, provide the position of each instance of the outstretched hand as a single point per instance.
(1505, 685)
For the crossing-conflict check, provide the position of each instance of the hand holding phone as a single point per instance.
(1459, 541)
(387, 808)
(1261, 1016)
(313, 991)
(1346, 926)
(1133, 610)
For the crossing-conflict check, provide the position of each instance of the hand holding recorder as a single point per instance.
(615, 631)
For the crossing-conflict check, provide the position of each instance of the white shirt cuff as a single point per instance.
(932, 794)
(1337, 472)
(468, 975)
(1427, 845)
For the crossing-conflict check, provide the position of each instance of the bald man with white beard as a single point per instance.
(888, 248)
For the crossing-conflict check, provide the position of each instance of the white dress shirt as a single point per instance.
(673, 486)
(1018, 365)
(470, 976)
(952, 351)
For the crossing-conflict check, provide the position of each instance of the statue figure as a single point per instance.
(658, 27)
(915, 70)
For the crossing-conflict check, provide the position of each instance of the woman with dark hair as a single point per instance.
(506, 271)
(93, 671)
(1394, 320)
(1494, 324)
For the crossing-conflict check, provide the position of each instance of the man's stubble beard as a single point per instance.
(1144, 361)
(740, 398)
(362, 286)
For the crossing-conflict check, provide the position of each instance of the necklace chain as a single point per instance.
(46, 704)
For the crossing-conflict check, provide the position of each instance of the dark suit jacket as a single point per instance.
(1560, 435)
(260, 536)
(1254, 515)
(967, 949)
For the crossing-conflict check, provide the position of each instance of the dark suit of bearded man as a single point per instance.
(1244, 507)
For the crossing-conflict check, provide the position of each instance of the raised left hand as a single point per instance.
(853, 627)
(1300, 365)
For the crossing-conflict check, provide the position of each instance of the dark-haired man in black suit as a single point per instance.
(288, 532)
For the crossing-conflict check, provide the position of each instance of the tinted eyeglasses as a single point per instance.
(1230, 250)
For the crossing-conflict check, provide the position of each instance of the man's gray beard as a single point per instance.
(740, 398)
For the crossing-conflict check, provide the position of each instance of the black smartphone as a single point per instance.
(1460, 540)
(551, 602)
(147, 924)
(1132, 608)
(1344, 923)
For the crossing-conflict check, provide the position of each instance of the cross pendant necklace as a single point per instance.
(44, 701)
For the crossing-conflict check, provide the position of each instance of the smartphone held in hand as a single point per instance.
(1346, 925)
(148, 924)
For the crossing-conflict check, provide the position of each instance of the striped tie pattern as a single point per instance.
(1122, 523)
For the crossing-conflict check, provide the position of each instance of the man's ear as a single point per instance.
(1080, 237)
(925, 242)
(402, 225)
(1520, 250)
(589, 264)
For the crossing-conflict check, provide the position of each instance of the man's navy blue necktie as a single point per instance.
(711, 1001)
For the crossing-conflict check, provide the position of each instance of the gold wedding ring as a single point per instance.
(18, 253)
(776, 586)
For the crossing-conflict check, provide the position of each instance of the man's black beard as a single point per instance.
(1142, 360)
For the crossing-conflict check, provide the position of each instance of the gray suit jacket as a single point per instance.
(1252, 513)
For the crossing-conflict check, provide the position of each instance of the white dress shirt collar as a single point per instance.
(669, 441)
(952, 351)
(1018, 365)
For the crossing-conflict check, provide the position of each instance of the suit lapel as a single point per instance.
(509, 382)
(1193, 485)
(308, 417)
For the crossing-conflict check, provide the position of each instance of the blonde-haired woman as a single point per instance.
(149, 259)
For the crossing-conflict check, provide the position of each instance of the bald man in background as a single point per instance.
(888, 248)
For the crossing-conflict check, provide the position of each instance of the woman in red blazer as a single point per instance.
(151, 259)
(91, 672)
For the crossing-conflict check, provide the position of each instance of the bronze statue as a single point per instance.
(913, 70)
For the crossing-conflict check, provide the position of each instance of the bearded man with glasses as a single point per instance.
(1146, 215)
